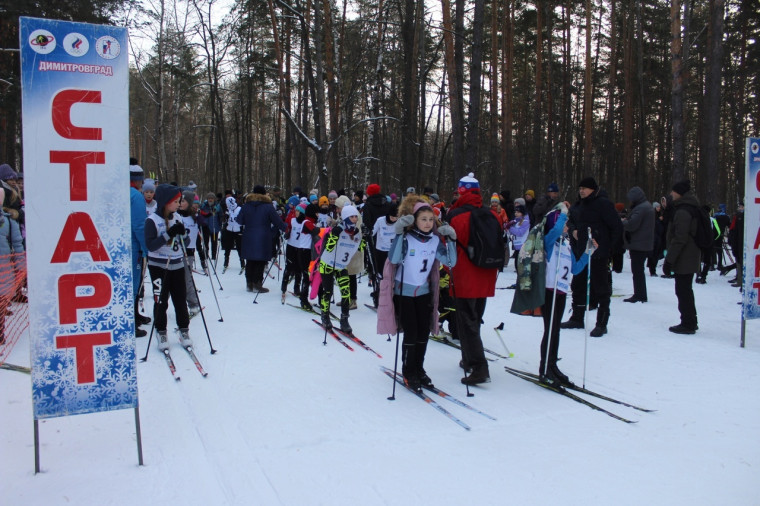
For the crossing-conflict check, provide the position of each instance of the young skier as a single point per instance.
(298, 254)
(189, 217)
(163, 230)
(232, 237)
(384, 232)
(409, 289)
(341, 244)
(561, 264)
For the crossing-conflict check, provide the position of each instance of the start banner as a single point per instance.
(751, 303)
(75, 91)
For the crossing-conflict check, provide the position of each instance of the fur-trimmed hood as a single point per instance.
(407, 205)
(257, 197)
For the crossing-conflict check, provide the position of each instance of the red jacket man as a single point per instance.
(471, 285)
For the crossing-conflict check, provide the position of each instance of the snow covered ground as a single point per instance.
(282, 419)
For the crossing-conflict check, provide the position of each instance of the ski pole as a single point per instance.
(551, 309)
(192, 279)
(271, 264)
(585, 315)
(398, 326)
(498, 334)
(213, 268)
(156, 302)
(459, 326)
(208, 273)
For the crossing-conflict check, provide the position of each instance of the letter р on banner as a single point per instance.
(750, 301)
(75, 91)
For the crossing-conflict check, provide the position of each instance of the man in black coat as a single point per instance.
(375, 207)
(598, 214)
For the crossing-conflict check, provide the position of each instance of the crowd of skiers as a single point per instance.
(428, 262)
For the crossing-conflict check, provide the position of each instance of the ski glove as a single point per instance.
(402, 222)
(176, 229)
(667, 269)
(447, 231)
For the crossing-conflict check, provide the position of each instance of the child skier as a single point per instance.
(298, 254)
(189, 217)
(163, 231)
(560, 263)
(384, 232)
(413, 287)
(341, 244)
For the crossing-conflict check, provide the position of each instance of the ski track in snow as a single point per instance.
(283, 420)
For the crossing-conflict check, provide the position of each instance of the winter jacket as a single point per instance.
(137, 218)
(386, 313)
(544, 204)
(519, 229)
(683, 253)
(12, 258)
(163, 250)
(640, 222)
(209, 217)
(598, 213)
(257, 217)
(375, 207)
(469, 280)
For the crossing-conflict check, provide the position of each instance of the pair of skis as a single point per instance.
(348, 335)
(191, 352)
(443, 338)
(566, 391)
(440, 393)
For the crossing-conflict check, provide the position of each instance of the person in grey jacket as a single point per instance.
(684, 256)
(639, 229)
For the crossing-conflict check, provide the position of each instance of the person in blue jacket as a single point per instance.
(139, 249)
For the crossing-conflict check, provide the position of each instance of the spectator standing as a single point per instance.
(139, 248)
(471, 285)
(639, 227)
(683, 258)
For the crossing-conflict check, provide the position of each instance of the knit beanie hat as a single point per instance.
(682, 187)
(495, 198)
(520, 209)
(259, 189)
(468, 183)
(531, 193)
(323, 201)
(373, 189)
(553, 188)
(393, 196)
(149, 186)
(135, 171)
(588, 182)
(519, 201)
(342, 201)
(301, 208)
(294, 201)
(333, 194)
(188, 195)
(313, 198)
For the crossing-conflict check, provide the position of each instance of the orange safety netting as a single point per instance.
(14, 310)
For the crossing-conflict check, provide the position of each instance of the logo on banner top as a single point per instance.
(108, 47)
(755, 148)
(76, 44)
(42, 41)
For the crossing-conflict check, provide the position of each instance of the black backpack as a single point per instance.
(704, 236)
(485, 247)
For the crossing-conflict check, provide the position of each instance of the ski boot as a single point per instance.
(184, 338)
(344, 326)
(163, 341)
(326, 322)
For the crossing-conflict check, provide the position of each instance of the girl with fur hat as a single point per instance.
(409, 287)
(341, 245)
(163, 231)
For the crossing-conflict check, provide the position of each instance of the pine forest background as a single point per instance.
(334, 94)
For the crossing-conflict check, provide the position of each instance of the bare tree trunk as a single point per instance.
(711, 129)
(588, 98)
(677, 91)
(535, 150)
(476, 68)
(455, 93)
